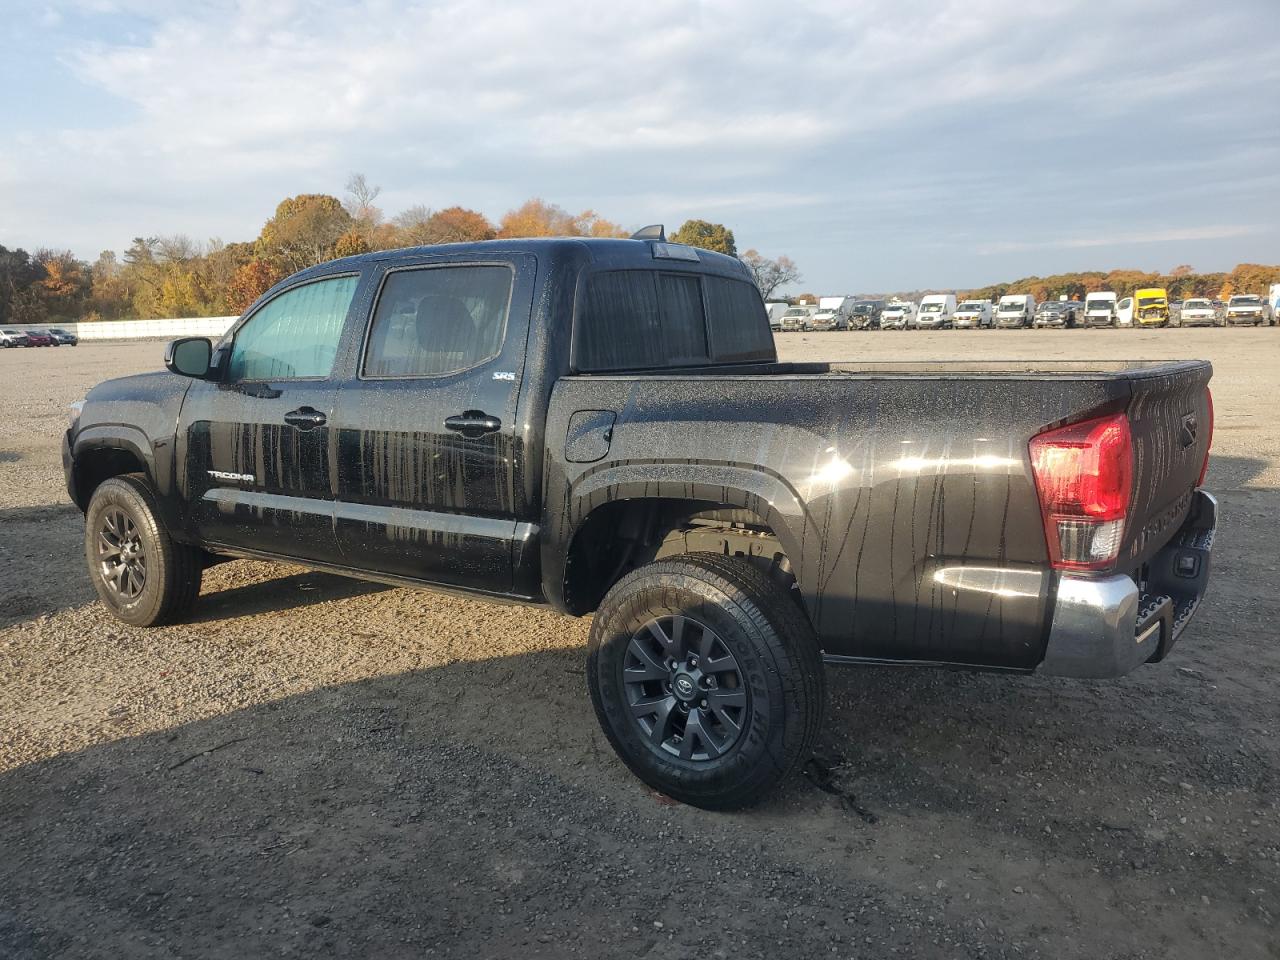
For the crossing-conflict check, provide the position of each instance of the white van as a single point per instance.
(936, 311)
(1100, 309)
(774, 309)
(798, 318)
(1124, 312)
(974, 314)
(1015, 310)
(898, 315)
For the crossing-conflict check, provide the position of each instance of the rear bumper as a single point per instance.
(1106, 626)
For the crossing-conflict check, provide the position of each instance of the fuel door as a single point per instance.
(589, 435)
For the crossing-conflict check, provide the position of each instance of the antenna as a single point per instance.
(655, 231)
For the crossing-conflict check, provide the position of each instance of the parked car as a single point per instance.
(11, 337)
(898, 315)
(1248, 308)
(865, 314)
(974, 314)
(38, 338)
(63, 337)
(1015, 310)
(1151, 307)
(1055, 313)
(1200, 312)
(937, 311)
(798, 318)
(1100, 309)
(501, 419)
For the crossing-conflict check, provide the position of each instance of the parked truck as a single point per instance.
(1151, 307)
(898, 315)
(832, 313)
(604, 426)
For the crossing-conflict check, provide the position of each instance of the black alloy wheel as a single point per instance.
(685, 688)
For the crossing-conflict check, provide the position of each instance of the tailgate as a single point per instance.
(1171, 422)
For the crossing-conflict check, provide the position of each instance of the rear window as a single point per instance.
(635, 319)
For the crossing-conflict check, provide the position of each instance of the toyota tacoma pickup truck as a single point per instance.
(603, 426)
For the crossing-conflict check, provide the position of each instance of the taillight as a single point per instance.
(1083, 474)
(1204, 469)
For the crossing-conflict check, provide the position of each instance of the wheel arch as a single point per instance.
(100, 454)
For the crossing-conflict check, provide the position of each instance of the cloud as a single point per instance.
(1127, 239)
(871, 134)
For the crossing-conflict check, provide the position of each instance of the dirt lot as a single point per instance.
(322, 767)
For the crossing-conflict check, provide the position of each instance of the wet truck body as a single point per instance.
(613, 404)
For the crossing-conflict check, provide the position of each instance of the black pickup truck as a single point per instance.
(603, 425)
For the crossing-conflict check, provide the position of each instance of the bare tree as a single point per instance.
(769, 274)
(360, 197)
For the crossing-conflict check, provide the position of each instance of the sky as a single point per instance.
(881, 145)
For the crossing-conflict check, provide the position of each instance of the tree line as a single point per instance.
(175, 276)
(1182, 282)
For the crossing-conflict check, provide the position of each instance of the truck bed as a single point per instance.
(901, 492)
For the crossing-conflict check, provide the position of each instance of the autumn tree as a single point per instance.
(591, 224)
(251, 281)
(706, 235)
(770, 274)
(304, 231)
(537, 218)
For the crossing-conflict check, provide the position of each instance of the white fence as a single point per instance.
(145, 329)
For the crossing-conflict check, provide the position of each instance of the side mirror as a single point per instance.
(188, 357)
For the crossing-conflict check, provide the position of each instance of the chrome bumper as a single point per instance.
(1106, 626)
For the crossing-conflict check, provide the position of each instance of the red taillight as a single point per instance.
(1084, 473)
(1208, 396)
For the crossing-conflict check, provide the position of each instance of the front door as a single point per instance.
(258, 442)
(429, 453)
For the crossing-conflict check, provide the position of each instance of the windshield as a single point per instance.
(1151, 301)
(1099, 304)
(971, 306)
(1249, 301)
(1016, 306)
(1197, 305)
(895, 308)
(931, 308)
(1049, 308)
(866, 307)
(796, 312)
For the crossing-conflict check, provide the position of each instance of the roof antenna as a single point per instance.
(654, 231)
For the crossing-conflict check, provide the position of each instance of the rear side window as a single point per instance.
(739, 325)
(636, 319)
(438, 320)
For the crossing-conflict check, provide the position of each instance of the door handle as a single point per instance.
(305, 418)
(473, 423)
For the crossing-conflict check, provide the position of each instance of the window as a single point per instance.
(739, 330)
(295, 335)
(438, 320)
(637, 319)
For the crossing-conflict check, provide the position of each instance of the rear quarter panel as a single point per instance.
(905, 503)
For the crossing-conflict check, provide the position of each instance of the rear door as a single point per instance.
(429, 450)
(257, 444)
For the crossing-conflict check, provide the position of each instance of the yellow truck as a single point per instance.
(1151, 307)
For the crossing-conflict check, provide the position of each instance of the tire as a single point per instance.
(123, 511)
(775, 672)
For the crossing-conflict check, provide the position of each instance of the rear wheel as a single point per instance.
(706, 678)
(143, 576)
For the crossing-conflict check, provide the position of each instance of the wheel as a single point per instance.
(706, 678)
(143, 576)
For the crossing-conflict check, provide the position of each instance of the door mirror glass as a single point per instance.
(189, 356)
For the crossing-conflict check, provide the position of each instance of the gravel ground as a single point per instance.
(321, 767)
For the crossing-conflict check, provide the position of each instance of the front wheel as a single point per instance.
(142, 575)
(707, 679)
